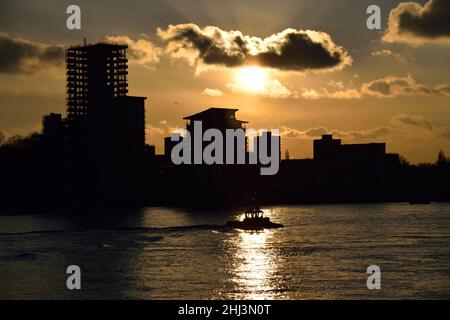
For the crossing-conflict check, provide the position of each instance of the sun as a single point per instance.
(252, 79)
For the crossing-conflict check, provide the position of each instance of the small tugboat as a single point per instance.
(254, 220)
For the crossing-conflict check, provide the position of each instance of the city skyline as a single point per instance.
(243, 151)
(100, 145)
(379, 87)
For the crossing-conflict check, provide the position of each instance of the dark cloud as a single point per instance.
(382, 87)
(23, 56)
(419, 125)
(394, 86)
(387, 87)
(296, 50)
(412, 121)
(316, 132)
(444, 132)
(401, 126)
(415, 24)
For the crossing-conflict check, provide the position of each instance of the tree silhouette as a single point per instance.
(441, 159)
(286, 154)
(403, 161)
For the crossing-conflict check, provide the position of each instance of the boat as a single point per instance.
(254, 220)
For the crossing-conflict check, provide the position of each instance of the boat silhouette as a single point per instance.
(254, 220)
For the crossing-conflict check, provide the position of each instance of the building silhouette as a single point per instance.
(105, 128)
(98, 108)
(220, 119)
(219, 183)
(97, 155)
(213, 118)
(94, 73)
(216, 118)
(224, 119)
(368, 160)
(53, 132)
(340, 173)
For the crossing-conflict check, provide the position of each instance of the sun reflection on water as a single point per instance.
(254, 265)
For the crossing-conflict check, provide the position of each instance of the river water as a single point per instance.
(165, 253)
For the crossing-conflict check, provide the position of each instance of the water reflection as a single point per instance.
(256, 265)
(322, 254)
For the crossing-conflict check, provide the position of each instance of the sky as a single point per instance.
(305, 67)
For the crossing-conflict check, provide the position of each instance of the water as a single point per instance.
(163, 253)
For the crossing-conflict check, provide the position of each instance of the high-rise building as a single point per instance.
(95, 73)
(99, 111)
(105, 126)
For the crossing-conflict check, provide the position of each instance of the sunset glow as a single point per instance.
(252, 79)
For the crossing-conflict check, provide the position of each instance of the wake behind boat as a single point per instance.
(254, 220)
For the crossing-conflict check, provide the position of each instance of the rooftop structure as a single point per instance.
(218, 118)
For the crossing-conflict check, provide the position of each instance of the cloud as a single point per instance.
(370, 134)
(212, 92)
(141, 51)
(161, 131)
(414, 24)
(335, 84)
(443, 89)
(345, 94)
(389, 53)
(298, 134)
(403, 120)
(314, 133)
(290, 49)
(400, 126)
(419, 126)
(155, 133)
(23, 56)
(313, 94)
(154, 130)
(272, 88)
(394, 86)
(443, 132)
(387, 87)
